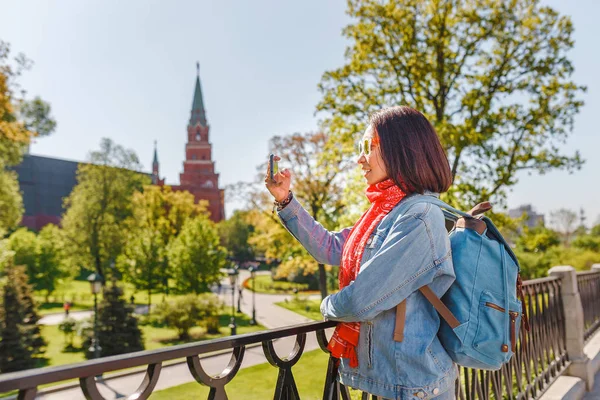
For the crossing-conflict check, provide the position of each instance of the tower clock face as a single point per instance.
(197, 137)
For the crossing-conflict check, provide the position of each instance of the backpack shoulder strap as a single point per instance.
(435, 302)
(450, 213)
(439, 306)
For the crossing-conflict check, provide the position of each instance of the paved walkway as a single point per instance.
(55, 319)
(267, 314)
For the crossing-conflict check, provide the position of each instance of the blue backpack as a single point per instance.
(481, 314)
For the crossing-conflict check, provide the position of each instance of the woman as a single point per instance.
(395, 248)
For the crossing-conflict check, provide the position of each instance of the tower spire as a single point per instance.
(155, 160)
(198, 115)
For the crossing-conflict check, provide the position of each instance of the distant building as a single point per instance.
(533, 219)
(198, 176)
(46, 181)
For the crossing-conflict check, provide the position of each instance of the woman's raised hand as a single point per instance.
(280, 185)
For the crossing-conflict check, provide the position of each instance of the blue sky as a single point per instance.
(126, 70)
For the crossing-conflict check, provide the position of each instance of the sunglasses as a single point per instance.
(364, 146)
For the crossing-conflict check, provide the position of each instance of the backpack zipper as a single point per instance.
(513, 320)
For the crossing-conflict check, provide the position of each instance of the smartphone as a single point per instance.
(273, 167)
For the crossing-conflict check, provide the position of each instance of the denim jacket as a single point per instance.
(408, 249)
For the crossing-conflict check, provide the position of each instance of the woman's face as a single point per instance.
(371, 163)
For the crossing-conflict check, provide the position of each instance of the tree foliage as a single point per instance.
(234, 233)
(493, 77)
(118, 331)
(42, 255)
(23, 243)
(20, 121)
(21, 342)
(188, 311)
(565, 222)
(11, 202)
(196, 257)
(158, 216)
(317, 182)
(51, 267)
(100, 203)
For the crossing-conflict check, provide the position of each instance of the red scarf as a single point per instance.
(383, 197)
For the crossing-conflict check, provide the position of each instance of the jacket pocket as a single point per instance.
(491, 337)
(372, 245)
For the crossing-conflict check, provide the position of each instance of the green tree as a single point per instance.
(50, 268)
(42, 255)
(20, 120)
(196, 256)
(23, 243)
(157, 218)
(493, 77)
(118, 330)
(537, 239)
(100, 203)
(565, 222)
(234, 233)
(21, 342)
(11, 202)
(318, 183)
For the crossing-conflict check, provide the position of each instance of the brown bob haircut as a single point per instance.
(411, 150)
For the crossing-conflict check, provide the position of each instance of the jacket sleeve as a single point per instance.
(403, 263)
(325, 246)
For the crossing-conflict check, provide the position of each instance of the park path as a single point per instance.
(267, 314)
(55, 319)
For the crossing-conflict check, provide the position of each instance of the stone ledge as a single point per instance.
(592, 350)
(567, 388)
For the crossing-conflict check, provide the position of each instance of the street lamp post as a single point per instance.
(239, 310)
(253, 274)
(95, 281)
(232, 279)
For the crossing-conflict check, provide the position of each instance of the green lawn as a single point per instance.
(258, 382)
(154, 338)
(79, 294)
(265, 284)
(308, 308)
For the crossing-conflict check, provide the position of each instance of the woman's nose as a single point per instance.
(361, 158)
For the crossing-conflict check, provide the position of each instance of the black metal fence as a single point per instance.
(589, 290)
(540, 358)
(541, 354)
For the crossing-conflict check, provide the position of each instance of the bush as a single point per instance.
(69, 327)
(188, 311)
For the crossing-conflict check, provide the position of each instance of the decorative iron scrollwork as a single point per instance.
(217, 383)
(90, 389)
(286, 386)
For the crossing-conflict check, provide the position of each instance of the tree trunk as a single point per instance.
(99, 270)
(322, 281)
(149, 299)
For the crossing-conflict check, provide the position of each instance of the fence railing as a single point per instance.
(541, 356)
(589, 289)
